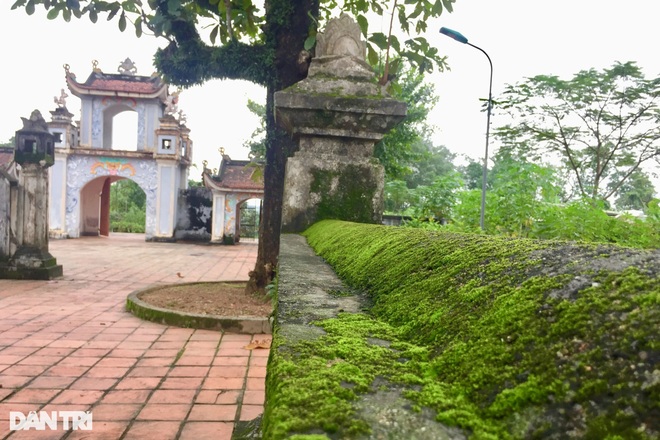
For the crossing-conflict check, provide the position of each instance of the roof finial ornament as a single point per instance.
(95, 66)
(61, 101)
(171, 103)
(182, 117)
(66, 68)
(222, 150)
(127, 67)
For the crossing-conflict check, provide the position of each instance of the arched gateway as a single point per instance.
(87, 159)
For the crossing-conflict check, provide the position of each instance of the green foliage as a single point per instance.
(257, 144)
(523, 199)
(397, 196)
(233, 21)
(519, 338)
(429, 187)
(406, 145)
(438, 199)
(601, 125)
(473, 174)
(127, 207)
(433, 161)
(636, 192)
(9, 144)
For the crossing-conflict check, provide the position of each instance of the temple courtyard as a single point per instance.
(69, 345)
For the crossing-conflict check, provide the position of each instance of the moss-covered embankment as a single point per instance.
(492, 337)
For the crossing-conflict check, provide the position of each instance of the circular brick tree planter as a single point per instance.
(230, 324)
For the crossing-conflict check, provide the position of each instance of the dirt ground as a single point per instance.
(220, 299)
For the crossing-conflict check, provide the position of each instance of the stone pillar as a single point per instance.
(337, 114)
(66, 137)
(34, 153)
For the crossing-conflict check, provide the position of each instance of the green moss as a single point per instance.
(346, 195)
(503, 338)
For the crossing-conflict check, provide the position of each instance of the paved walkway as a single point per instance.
(68, 344)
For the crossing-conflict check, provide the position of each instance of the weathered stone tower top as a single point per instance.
(341, 95)
(337, 114)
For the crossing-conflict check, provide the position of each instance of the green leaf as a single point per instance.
(310, 42)
(437, 8)
(93, 15)
(66, 14)
(53, 13)
(448, 5)
(29, 8)
(372, 56)
(130, 6)
(394, 42)
(122, 22)
(113, 12)
(173, 6)
(138, 27)
(380, 40)
(73, 4)
(214, 33)
(363, 23)
(18, 4)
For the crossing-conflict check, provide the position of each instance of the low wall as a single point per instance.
(462, 336)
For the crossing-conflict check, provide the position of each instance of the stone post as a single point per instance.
(338, 113)
(34, 153)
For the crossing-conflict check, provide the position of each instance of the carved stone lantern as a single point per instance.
(35, 151)
(34, 143)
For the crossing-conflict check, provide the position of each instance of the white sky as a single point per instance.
(523, 38)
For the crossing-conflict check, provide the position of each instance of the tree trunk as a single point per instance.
(288, 27)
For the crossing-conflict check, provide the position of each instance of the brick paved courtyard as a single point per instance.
(68, 344)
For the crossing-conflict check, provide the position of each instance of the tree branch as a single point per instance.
(193, 62)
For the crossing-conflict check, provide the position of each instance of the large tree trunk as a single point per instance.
(288, 27)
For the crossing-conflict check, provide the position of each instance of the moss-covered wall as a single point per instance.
(497, 338)
(347, 194)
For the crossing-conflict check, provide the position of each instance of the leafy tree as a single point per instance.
(268, 47)
(257, 144)
(636, 192)
(438, 199)
(127, 207)
(397, 196)
(601, 125)
(406, 145)
(9, 144)
(434, 161)
(473, 174)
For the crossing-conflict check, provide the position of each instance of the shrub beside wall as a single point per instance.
(500, 338)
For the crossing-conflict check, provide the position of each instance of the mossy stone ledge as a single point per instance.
(468, 336)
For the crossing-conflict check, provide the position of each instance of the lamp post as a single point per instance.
(462, 39)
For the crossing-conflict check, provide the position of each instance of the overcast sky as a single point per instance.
(523, 38)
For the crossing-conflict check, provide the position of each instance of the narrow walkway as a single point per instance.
(68, 344)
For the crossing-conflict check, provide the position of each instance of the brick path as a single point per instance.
(68, 344)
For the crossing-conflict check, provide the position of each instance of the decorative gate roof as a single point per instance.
(125, 83)
(236, 176)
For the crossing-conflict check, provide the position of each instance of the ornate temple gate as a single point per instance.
(236, 182)
(87, 161)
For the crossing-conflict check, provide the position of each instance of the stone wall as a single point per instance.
(439, 335)
(194, 214)
(5, 211)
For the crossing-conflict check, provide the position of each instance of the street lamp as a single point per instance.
(462, 39)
